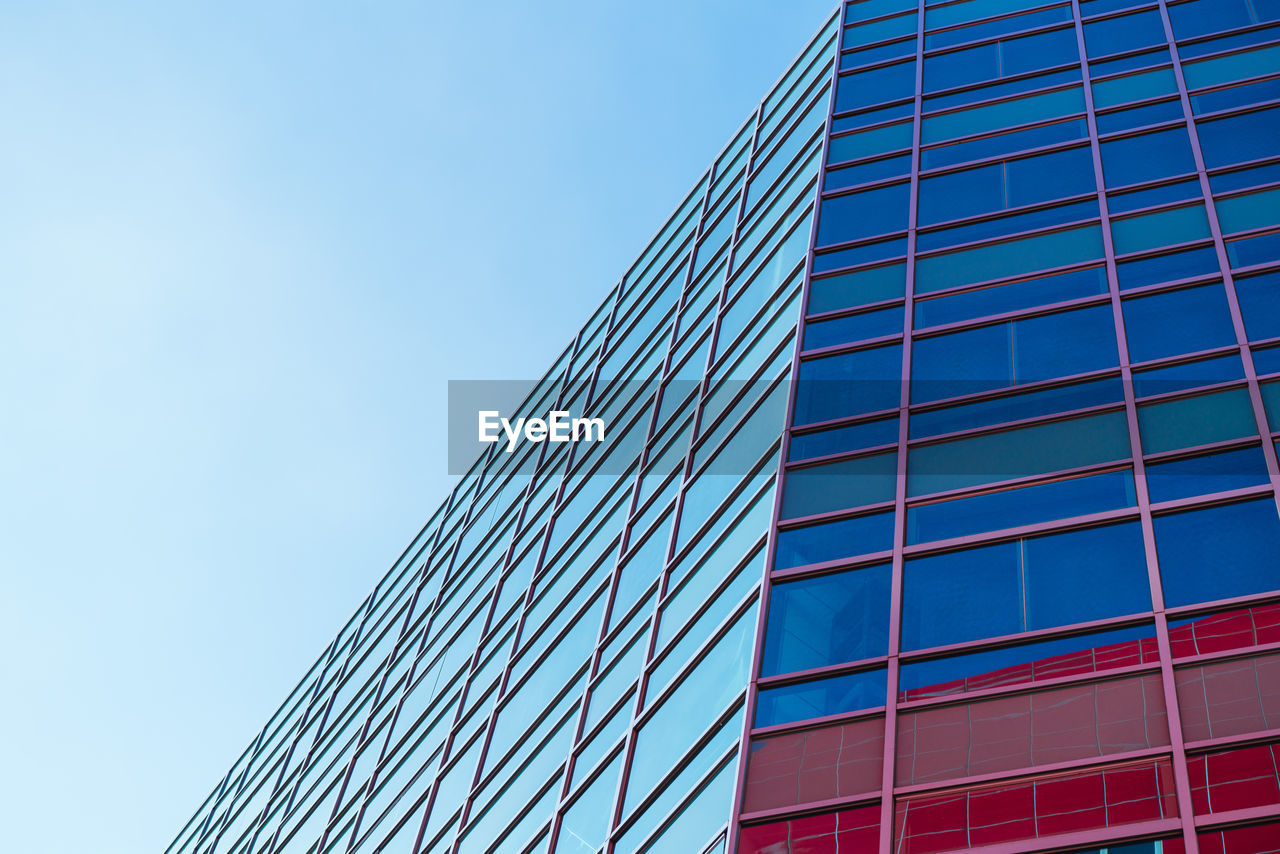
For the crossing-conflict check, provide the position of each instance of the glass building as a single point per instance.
(939, 511)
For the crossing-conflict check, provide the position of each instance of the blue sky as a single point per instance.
(243, 247)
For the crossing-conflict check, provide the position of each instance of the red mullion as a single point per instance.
(1101, 763)
(772, 536)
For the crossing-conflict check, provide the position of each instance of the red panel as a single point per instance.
(814, 765)
(1002, 815)
(1255, 839)
(846, 832)
(930, 824)
(1070, 803)
(1235, 779)
(1081, 721)
(1227, 698)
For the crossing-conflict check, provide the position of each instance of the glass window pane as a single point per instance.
(1175, 322)
(1192, 421)
(863, 287)
(864, 214)
(1219, 552)
(1161, 228)
(1011, 258)
(830, 619)
(1137, 159)
(840, 485)
(818, 698)
(1259, 298)
(1206, 474)
(848, 384)
(1123, 33)
(830, 541)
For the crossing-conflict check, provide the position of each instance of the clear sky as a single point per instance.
(243, 247)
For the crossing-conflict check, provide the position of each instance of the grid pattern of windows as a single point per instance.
(989, 292)
(1025, 588)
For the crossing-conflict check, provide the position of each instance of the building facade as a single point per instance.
(939, 511)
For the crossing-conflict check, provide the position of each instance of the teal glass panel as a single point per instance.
(1162, 228)
(1193, 421)
(1271, 403)
(840, 485)
(1011, 258)
(862, 287)
(1255, 210)
(869, 143)
(1022, 452)
(991, 117)
(1237, 66)
(1135, 87)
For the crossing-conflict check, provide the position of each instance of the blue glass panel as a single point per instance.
(863, 89)
(1016, 408)
(1204, 48)
(853, 327)
(1259, 298)
(1253, 250)
(1189, 422)
(962, 363)
(842, 439)
(1208, 474)
(1013, 224)
(1010, 184)
(1138, 159)
(998, 59)
(824, 262)
(839, 485)
(1219, 552)
(962, 596)
(862, 10)
(1086, 575)
(1160, 228)
(1250, 136)
(1001, 144)
(999, 90)
(1188, 376)
(1028, 505)
(1013, 297)
(866, 118)
(1185, 264)
(863, 287)
(1118, 203)
(1267, 361)
(863, 214)
(1011, 258)
(1244, 178)
(999, 27)
(879, 53)
(1134, 87)
(1136, 117)
(821, 697)
(1175, 322)
(848, 384)
(1128, 63)
(1091, 8)
(946, 673)
(882, 30)
(1064, 343)
(869, 143)
(864, 173)
(830, 619)
(1124, 33)
(1202, 17)
(846, 538)
(1236, 96)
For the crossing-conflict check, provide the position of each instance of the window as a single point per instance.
(856, 829)
(1206, 474)
(1031, 293)
(961, 12)
(1192, 421)
(861, 89)
(840, 485)
(843, 439)
(831, 541)
(864, 214)
(1009, 142)
(990, 117)
(1134, 87)
(1008, 184)
(1169, 267)
(853, 327)
(1020, 452)
(1202, 17)
(1259, 298)
(829, 619)
(814, 765)
(1226, 698)
(1160, 228)
(1137, 159)
(848, 290)
(1136, 117)
(816, 698)
(868, 143)
(1014, 352)
(1219, 552)
(1019, 406)
(1175, 322)
(1182, 191)
(1187, 376)
(849, 384)
(1003, 58)
(1238, 138)
(1011, 258)
(1123, 33)
(1024, 585)
(1255, 210)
